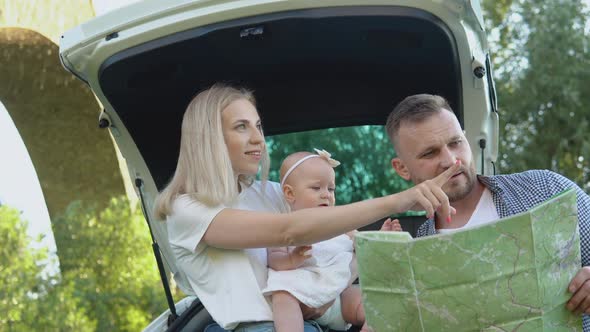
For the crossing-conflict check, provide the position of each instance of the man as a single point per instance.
(428, 139)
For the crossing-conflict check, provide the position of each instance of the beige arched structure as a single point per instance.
(55, 114)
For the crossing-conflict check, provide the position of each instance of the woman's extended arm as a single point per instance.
(236, 229)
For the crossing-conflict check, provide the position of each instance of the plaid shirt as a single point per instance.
(516, 193)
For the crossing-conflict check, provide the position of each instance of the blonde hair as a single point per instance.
(204, 170)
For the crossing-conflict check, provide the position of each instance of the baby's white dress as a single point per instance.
(321, 278)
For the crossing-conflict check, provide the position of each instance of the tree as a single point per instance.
(364, 152)
(58, 309)
(31, 300)
(19, 270)
(543, 88)
(106, 257)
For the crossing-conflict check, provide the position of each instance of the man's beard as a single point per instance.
(457, 193)
(460, 192)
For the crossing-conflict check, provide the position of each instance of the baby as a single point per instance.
(320, 275)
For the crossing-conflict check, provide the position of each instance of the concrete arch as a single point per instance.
(55, 114)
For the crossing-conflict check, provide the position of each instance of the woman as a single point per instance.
(220, 220)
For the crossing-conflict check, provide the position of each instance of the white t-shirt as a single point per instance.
(228, 282)
(485, 211)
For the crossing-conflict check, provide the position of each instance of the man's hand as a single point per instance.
(391, 226)
(298, 255)
(580, 288)
(314, 313)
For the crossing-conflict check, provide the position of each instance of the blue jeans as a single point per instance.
(308, 326)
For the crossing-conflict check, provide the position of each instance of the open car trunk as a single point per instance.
(311, 65)
(309, 69)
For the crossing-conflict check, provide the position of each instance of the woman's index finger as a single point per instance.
(443, 177)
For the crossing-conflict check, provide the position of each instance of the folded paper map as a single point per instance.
(508, 275)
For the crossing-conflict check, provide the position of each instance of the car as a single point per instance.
(312, 64)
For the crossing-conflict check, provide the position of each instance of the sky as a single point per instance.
(19, 186)
(103, 6)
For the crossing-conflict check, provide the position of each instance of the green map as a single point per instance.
(509, 275)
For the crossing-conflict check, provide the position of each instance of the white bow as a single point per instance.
(327, 157)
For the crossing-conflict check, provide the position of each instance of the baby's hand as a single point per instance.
(391, 226)
(298, 255)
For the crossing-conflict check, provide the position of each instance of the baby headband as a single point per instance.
(320, 154)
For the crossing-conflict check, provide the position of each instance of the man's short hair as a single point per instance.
(414, 109)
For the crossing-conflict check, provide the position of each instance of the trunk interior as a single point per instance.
(309, 69)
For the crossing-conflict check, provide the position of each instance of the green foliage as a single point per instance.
(544, 88)
(108, 281)
(364, 152)
(495, 11)
(107, 258)
(58, 310)
(31, 300)
(19, 272)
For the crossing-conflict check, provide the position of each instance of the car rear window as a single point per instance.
(365, 153)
